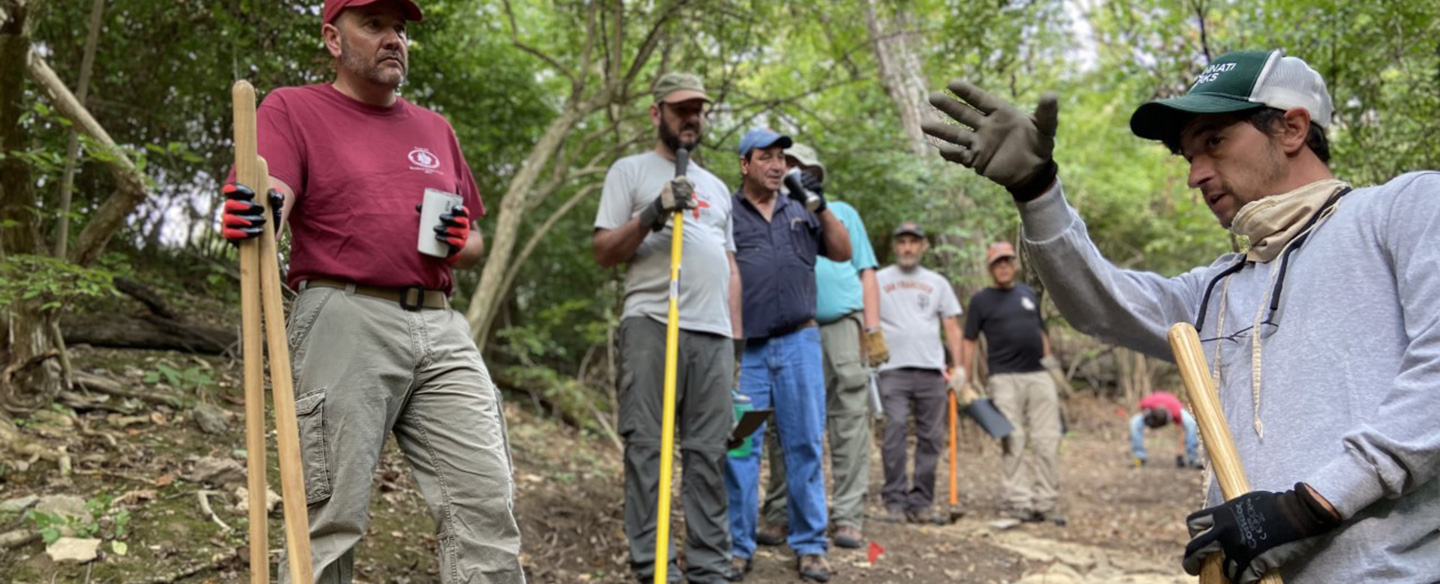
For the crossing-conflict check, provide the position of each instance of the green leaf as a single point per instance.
(119, 547)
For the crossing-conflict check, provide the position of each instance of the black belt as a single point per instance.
(412, 298)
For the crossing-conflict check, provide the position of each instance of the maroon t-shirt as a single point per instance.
(358, 172)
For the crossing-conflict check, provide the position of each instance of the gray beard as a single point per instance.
(372, 72)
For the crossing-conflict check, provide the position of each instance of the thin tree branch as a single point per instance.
(552, 61)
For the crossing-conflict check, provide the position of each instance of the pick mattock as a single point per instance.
(260, 300)
(1225, 461)
(667, 416)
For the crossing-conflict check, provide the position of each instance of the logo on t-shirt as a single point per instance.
(700, 203)
(423, 159)
(1027, 304)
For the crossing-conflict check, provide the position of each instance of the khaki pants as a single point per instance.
(365, 367)
(1030, 402)
(848, 422)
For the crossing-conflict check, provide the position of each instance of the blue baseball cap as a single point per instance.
(762, 138)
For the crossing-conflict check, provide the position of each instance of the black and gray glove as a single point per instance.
(678, 194)
(1257, 531)
(1003, 144)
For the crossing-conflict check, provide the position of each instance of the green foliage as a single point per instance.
(187, 380)
(51, 282)
(102, 520)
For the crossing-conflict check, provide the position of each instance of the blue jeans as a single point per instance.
(1137, 436)
(784, 373)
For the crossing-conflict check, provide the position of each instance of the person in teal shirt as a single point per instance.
(848, 310)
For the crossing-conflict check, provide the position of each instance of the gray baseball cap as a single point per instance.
(678, 87)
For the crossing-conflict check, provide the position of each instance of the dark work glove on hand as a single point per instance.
(678, 194)
(1257, 531)
(454, 230)
(243, 218)
(812, 183)
(1003, 144)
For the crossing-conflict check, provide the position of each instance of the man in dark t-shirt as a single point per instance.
(376, 346)
(1008, 313)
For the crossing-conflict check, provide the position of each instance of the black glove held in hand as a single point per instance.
(678, 194)
(242, 218)
(453, 230)
(1257, 531)
(1005, 145)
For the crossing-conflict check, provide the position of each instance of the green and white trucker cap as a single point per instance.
(1238, 82)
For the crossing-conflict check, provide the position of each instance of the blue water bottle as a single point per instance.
(742, 405)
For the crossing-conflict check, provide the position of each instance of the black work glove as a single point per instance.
(1003, 144)
(678, 194)
(242, 218)
(812, 183)
(1256, 532)
(454, 230)
(799, 183)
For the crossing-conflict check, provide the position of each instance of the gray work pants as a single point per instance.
(704, 378)
(923, 391)
(1030, 402)
(365, 367)
(848, 423)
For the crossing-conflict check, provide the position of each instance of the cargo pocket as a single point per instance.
(304, 312)
(310, 412)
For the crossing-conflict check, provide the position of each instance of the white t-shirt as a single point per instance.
(911, 306)
(633, 183)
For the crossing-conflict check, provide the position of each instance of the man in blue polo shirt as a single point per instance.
(776, 243)
(848, 310)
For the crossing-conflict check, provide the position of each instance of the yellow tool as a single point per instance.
(667, 417)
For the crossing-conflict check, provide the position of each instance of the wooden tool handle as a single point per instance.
(1224, 459)
(252, 343)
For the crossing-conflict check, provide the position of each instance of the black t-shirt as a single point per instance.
(1012, 325)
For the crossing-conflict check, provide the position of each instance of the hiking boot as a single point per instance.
(771, 534)
(1024, 515)
(848, 537)
(814, 567)
(739, 567)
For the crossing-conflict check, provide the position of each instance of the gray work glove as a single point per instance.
(678, 194)
(1256, 532)
(1003, 144)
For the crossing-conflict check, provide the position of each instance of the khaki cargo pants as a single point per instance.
(365, 367)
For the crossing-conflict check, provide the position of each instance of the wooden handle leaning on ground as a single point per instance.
(252, 343)
(260, 285)
(1224, 460)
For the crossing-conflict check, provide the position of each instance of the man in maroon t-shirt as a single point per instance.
(376, 345)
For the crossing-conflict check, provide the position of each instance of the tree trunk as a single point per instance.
(900, 70)
(518, 200)
(33, 376)
(129, 182)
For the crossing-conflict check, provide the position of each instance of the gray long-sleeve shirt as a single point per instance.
(1350, 373)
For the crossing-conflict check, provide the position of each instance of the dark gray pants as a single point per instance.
(704, 414)
(923, 391)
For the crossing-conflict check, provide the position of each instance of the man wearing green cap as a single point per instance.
(1324, 336)
(633, 226)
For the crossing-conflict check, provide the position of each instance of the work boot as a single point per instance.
(848, 537)
(739, 567)
(893, 516)
(1024, 515)
(814, 567)
(771, 534)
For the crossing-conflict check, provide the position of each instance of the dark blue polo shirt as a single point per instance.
(777, 265)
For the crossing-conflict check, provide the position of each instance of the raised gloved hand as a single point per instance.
(812, 182)
(242, 218)
(454, 230)
(678, 194)
(1257, 531)
(1004, 144)
(876, 351)
(956, 381)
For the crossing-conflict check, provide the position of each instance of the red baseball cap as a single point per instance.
(333, 7)
(998, 251)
